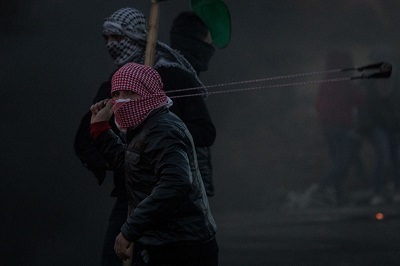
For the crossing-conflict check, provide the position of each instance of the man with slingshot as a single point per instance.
(169, 221)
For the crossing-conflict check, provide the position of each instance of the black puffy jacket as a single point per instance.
(165, 192)
(192, 110)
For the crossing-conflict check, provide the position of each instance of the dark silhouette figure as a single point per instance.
(337, 106)
(190, 36)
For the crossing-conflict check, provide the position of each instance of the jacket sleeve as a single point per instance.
(86, 151)
(168, 154)
(112, 149)
(192, 110)
(83, 143)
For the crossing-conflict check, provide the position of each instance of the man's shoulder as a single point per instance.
(164, 120)
(174, 70)
(176, 77)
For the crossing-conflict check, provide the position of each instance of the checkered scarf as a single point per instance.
(131, 23)
(144, 81)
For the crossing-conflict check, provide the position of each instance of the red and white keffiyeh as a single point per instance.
(144, 81)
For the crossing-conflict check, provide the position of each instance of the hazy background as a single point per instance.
(53, 59)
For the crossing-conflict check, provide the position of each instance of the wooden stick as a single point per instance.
(152, 34)
(130, 249)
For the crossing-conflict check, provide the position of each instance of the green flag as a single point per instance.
(215, 15)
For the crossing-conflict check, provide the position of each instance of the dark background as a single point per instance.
(53, 59)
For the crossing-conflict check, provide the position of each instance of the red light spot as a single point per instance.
(379, 216)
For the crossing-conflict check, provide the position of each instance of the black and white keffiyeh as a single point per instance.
(131, 23)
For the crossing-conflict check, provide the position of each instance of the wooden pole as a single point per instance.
(128, 262)
(152, 34)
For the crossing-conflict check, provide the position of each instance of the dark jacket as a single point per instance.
(192, 110)
(194, 113)
(164, 186)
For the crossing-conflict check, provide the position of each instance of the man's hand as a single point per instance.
(101, 111)
(121, 247)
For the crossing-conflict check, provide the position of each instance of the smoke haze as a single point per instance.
(268, 141)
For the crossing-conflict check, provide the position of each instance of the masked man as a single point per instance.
(191, 37)
(170, 222)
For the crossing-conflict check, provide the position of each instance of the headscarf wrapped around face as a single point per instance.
(188, 35)
(144, 81)
(131, 24)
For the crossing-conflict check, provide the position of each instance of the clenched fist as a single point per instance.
(121, 247)
(101, 111)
